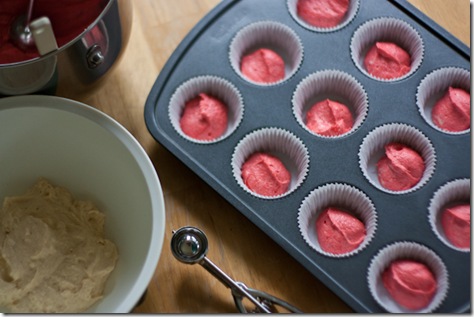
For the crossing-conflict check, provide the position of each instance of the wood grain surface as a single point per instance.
(237, 246)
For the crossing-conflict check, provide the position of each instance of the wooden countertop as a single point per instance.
(237, 246)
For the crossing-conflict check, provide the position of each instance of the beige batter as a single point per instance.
(53, 254)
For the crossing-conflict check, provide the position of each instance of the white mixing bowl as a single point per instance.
(78, 147)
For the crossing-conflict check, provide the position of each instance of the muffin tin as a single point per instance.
(404, 217)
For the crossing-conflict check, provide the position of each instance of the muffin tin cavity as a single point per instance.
(214, 86)
(387, 29)
(435, 85)
(349, 16)
(270, 35)
(372, 150)
(279, 143)
(338, 169)
(450, 194)
(343, 197)
(333, 85)
(406, 251)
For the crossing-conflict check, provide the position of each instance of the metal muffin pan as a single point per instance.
(402, 217)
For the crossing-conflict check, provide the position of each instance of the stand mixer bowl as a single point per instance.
(78, 64)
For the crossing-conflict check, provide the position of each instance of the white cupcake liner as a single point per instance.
(386, 29)
(433, 87)
(455, 191)
(372, 150)
(271, 35)
(277, 142)
(350, 14)
(406, 250)
(335, 85)
(337, 195)
(214, 86)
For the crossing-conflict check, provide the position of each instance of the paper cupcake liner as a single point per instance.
(455, 191)
(434, 86)
(335, 85)
(351, 13)
(271, 35)
(372, 150)
(280, 143)
(386, 29)
(214, 86)
(337, 195)
(406, 250)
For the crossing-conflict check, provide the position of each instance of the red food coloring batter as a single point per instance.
(329, 118)
(456, 223)
(387, 61)
(400, 168)
(265, 174)
(453, 111)
(322, 13)
(204, 118)
(263, 66)
(338, 231)
(410, 283)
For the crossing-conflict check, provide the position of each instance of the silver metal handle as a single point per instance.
(267, 300)
(189, 245)
(230, 283)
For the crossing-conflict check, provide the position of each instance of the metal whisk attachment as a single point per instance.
(189, 245)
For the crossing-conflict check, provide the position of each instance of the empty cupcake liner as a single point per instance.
(456, 191)
(277, 142)
(350, 14)
(338, 195)
(406, 250)
(372, 150)
(335, 85)
(271, 35)
(434, 86)
(386, 29)
(215, 86)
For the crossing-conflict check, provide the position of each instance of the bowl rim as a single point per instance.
(145, 165)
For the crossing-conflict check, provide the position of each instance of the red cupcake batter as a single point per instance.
(329, 118)
(266, 175)
(204, 118)
(263, 66)
(387, 60)
(456, 223)
(453, 111)
(401, 168)
(338, 231)
(322, 13)
(411, 284)
(68, 19)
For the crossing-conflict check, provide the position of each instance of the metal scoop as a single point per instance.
(20, 32)
(189, 245)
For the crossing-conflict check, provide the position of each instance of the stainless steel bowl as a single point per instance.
(78, 64)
